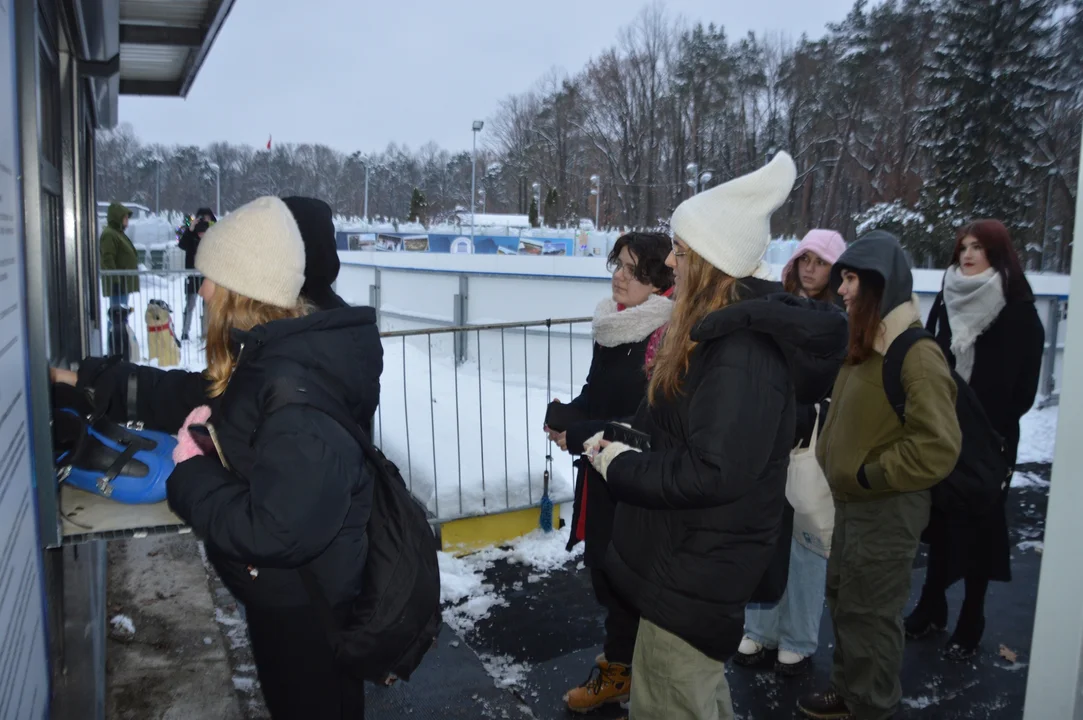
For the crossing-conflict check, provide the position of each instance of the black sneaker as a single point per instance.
(762, 659)
(824, 706)
(793, 669)
(926, 619)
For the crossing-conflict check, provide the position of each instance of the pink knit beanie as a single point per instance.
(827, 244)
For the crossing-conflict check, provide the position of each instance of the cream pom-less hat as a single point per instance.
(729, 226)
(256, 251)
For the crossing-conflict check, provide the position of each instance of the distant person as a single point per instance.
(626, 327)
(986, 323)
(118, 253)
(189, 243)
(880, 471)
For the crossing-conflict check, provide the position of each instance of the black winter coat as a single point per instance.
(698, 518)
(615, 386)
(189, 243)
(1007, 369)
(299, 492)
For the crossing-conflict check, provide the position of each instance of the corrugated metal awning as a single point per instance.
(163, 43)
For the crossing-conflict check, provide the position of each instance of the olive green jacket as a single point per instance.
(118, 253)
(865, 451)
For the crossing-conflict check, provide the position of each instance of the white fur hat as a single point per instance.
(729, 226)
(256, 251)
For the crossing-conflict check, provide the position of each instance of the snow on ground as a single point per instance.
(504, 671)
(122, 624)
(468, 598)
(1038, 436)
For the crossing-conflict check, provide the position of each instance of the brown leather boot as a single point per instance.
(608, 683)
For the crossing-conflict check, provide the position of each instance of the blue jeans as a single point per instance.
(793, 623)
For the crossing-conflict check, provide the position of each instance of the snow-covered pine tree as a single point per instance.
(987, 81)
(533, 214)
(417, 207)
(551, 202)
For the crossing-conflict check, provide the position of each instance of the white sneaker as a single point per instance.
(789, 658)
(749, 646)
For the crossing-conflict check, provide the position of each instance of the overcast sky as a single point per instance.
(358, 74)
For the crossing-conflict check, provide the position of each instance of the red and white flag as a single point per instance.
(268, 142)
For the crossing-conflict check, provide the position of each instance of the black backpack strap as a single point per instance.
(289, 390)
(892, 372)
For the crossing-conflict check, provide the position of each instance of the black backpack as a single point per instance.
(975, 485)
(396, 618)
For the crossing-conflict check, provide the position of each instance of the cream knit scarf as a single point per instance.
(973, 303)
(614, 327)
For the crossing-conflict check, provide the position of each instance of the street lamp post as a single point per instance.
(696, 179)
(596, 191)
(478, 125)
(157, 184)
(217, 189)
(365, 164)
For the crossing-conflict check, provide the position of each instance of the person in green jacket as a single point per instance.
(880, 472)
(118, 253)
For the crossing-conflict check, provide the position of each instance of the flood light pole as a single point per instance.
(596, 191)
(478, 125)
(217, 189)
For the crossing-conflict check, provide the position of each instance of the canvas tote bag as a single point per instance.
(809, 494)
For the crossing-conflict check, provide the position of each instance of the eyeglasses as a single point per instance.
(616, 266)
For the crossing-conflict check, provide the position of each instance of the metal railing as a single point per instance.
(467, 434)
(163, 311)
(462, 407)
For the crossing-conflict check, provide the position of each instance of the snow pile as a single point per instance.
(1038, 436)
(122, 624)
(1036, 545)
(468, 598)
(1030, 481)
(503, 671)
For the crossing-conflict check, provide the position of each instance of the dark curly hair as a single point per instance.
(650, 251)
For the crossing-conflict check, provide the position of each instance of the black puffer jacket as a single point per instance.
(698, 518)
(615, 386)
(299, 492)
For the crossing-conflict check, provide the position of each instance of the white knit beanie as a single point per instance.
(256, 251)
(729, 226)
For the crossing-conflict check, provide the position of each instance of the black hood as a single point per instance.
(316, 223)
(340, 347)
(879, 252)
(811, 334)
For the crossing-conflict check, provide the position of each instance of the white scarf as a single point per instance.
(614, 327)
(973, 303)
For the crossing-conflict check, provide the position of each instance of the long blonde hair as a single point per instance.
(703, 289)
(229, 311)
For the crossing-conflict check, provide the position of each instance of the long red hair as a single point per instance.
(996, 241)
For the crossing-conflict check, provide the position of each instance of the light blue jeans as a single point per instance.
(793, 623)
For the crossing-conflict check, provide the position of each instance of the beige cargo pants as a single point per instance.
(674, 681)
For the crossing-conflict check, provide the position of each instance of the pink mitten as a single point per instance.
(186, 446)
